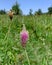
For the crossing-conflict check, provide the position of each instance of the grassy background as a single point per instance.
(38, 47)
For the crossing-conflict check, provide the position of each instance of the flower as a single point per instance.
(24, 36)
(10, 14)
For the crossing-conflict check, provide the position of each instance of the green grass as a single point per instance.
(38, 50)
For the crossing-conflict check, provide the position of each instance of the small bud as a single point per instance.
(24, 36)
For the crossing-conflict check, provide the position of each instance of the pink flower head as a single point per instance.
(24, 36)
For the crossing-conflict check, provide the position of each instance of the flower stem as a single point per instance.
(27, 57)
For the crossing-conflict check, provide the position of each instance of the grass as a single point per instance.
(38, 50)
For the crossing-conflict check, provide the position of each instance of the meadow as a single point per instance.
(39, 45)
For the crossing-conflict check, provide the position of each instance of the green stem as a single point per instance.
(27, 57)
(7, 32)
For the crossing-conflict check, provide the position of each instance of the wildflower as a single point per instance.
(10, 15)
(24, 36)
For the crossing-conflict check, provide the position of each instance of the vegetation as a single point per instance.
(39, 12)
(30, 12)
(38, 49)
(50, 10)
(16, 9)
(2, 12)
(39, 46)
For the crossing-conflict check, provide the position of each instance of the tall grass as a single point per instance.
(38, 47)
